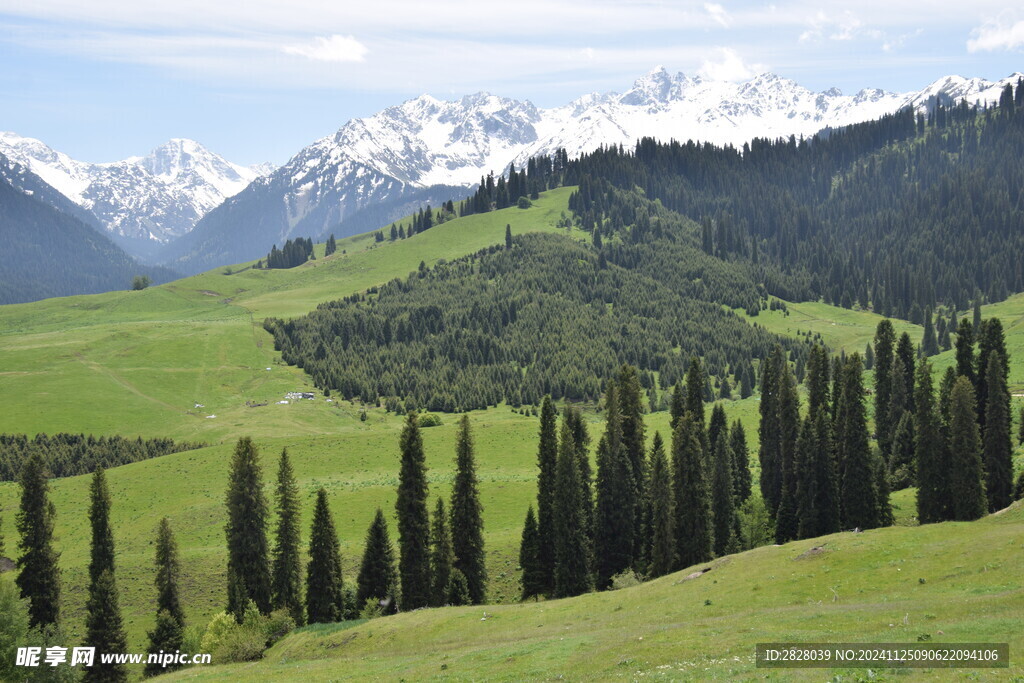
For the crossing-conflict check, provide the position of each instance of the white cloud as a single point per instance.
(718, 13)
(729, 66)
(1001, 33)
(331, 49)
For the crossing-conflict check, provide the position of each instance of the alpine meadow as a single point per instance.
(716, 378)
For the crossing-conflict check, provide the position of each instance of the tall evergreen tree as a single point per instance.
(905, 355)
(246, 530)
(529, 558)
(677, 405)
(933, 494)
(103, 625)
(817, 380)
(723, 505)
(413, 519)
(991, 342)
(694, 530)
(104, 629)
(998, 449)
(581, 438)
(1020, 428)
(787, 522)
(663, 539)
(858, 490)
(807, 514)
(378, 581)
(168, 634)
(325, 602)
(741, 462)
(966, 474)
(717, 424)
(547, 459)
(929, 343)
(572, 556)
(442, 556)
(38, 575)
(286, 581)
(965, 351)
(695, 386)
(615, 511)
(633, 440)
(885, 343)
(769, 430)
(819, 497)
(467, 518)
(901, 466)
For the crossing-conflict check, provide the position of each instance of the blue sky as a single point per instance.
(256, 81)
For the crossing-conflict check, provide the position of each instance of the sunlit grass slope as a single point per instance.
(952, 582)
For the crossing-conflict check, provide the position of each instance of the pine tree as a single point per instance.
(677, 406)
(169, 632)
(581, 439)
(885, 342)
(572, 556)
(246, 530)
(663, 540)
(325, 603)
(787, 522)
(631, 407)
(103, 625)
(694, 530)
(378, 581)
(467, 518)
(998, 450)
(930, 453)
(104, 629)
(615, 510)
(883, 507)
(741, 462)
(901, 461)
(38, 576)
(991, 342)
(508, 236)
(458, 589)
(413, 520)
(722, 501)
(287, 570)
(858, 491)
(820, 515)
(817, 380)
(717, 424)
(1020, 421)
(906, 356)
(547, 458)
(442, 557)
(807, 514)
(529, 558)
(695, 389)
(966, 474)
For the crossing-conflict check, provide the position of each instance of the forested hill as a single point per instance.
(900, 214)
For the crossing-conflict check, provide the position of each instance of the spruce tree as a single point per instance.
(104, 629)
(442, 557)
(885, 342)
(615, 512)
(38, 575)
(905, 356)
(723, 509)
(695, 389)
(966, 474)
(998, 450)
(858, 489)
(677, 405)
(246, 530)
(694, 530)
(467, 518)
(901, 465)
(286, 581)
(741, 462)
(413, 520)
(1020, 428)
(787, 521)
(169, 632)
(458, 589)
(633, 440)
(663, 539)
(378, 581)
(817, 380)
(769, 431)
(965, 351)
(717, 424)
(930, 453)
(883, 507)
(103, 625)
(929, 343)
(991, 342)
(529, 558)
(167, 636)
(508, 236)
(325, 603)
(581, 439)
(572, 556)
(547, 458)
(821, 480)
(807, 514)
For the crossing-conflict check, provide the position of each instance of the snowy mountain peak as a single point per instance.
(151, 198)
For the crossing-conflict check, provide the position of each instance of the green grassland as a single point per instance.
(138, 363)
(952, 582)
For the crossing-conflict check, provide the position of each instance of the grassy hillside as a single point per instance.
(952, 582)
(137, 363)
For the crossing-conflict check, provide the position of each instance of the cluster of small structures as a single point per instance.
(299, 395)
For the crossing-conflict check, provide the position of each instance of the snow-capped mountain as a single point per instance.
(150, 199)
(410, 149)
